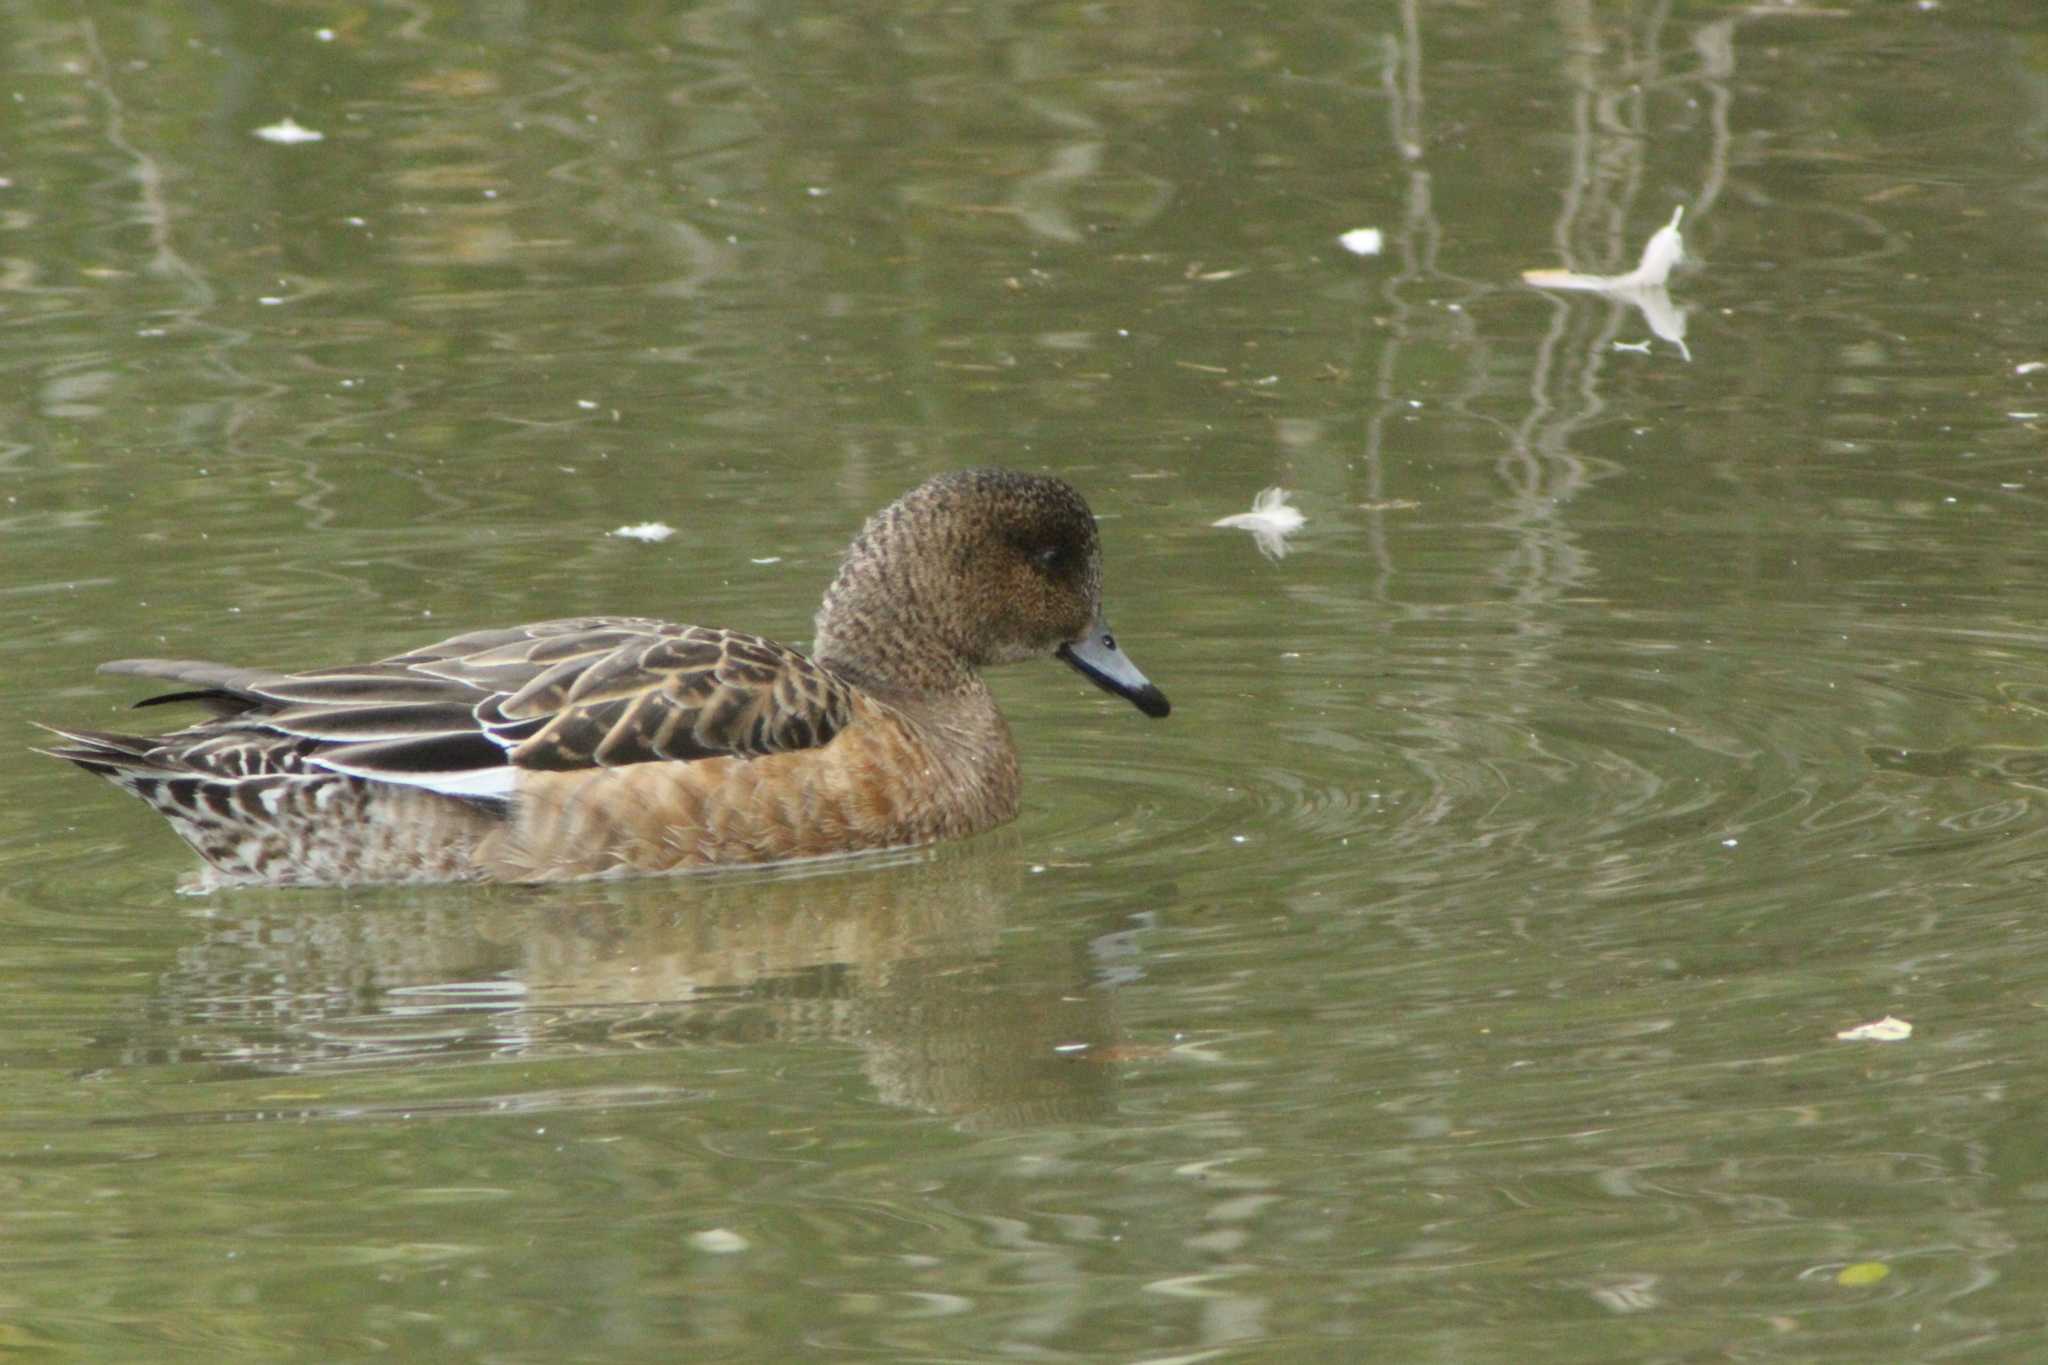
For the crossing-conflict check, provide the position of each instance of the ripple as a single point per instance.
(1611, 757)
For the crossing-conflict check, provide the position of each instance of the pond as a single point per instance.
(1656, 690)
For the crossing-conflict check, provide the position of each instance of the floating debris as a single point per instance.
(1270, 521)
(1363, 241)
(287, 132)
(1665, 249)
(1885, 1030)
(652, 532)
(1643, 287)
(2030, 367)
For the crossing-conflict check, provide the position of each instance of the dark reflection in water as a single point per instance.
(900, 962)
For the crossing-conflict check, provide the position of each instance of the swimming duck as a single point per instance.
(612, 745)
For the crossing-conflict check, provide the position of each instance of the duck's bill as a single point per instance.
(1097, 658)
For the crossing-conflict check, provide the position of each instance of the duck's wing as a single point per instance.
(464, 715)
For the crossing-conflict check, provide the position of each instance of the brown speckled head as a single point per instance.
(978, 567)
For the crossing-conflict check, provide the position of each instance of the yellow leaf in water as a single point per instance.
(1862, 1273)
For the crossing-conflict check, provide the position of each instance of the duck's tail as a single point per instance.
(121, 759)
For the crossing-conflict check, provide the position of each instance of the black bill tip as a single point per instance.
(1096, 657)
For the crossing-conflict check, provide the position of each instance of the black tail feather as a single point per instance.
(103, 752)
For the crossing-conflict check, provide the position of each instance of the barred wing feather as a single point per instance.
(463, 715)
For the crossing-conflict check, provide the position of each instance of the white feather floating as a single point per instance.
(1643, 288)
(1665, 249)
(1363, 241)
(1885, 1030)
(288, 132)
(1270, 521)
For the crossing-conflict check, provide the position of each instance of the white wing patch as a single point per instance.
(494, 782)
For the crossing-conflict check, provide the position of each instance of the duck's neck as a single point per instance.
(890, 624)
(879, 625)
(891, 657)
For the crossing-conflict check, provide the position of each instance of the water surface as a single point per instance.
(1455, 975)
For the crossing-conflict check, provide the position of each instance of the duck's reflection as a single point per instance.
(905, 960)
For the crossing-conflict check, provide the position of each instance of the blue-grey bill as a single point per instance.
(1098, 659)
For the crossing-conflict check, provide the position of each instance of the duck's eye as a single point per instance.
(1047, 558)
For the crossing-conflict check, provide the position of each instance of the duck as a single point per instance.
(607, 746)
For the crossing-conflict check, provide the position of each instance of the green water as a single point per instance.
(1456, 974)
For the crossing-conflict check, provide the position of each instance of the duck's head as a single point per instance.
(978, 567)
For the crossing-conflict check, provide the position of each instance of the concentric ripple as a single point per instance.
(1608, 756)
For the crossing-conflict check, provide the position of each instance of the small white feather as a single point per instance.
(1363, 241)
(1885, 1030)
(1665, 249)
(1643, 288)
(288, 132)
(1270, 521)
